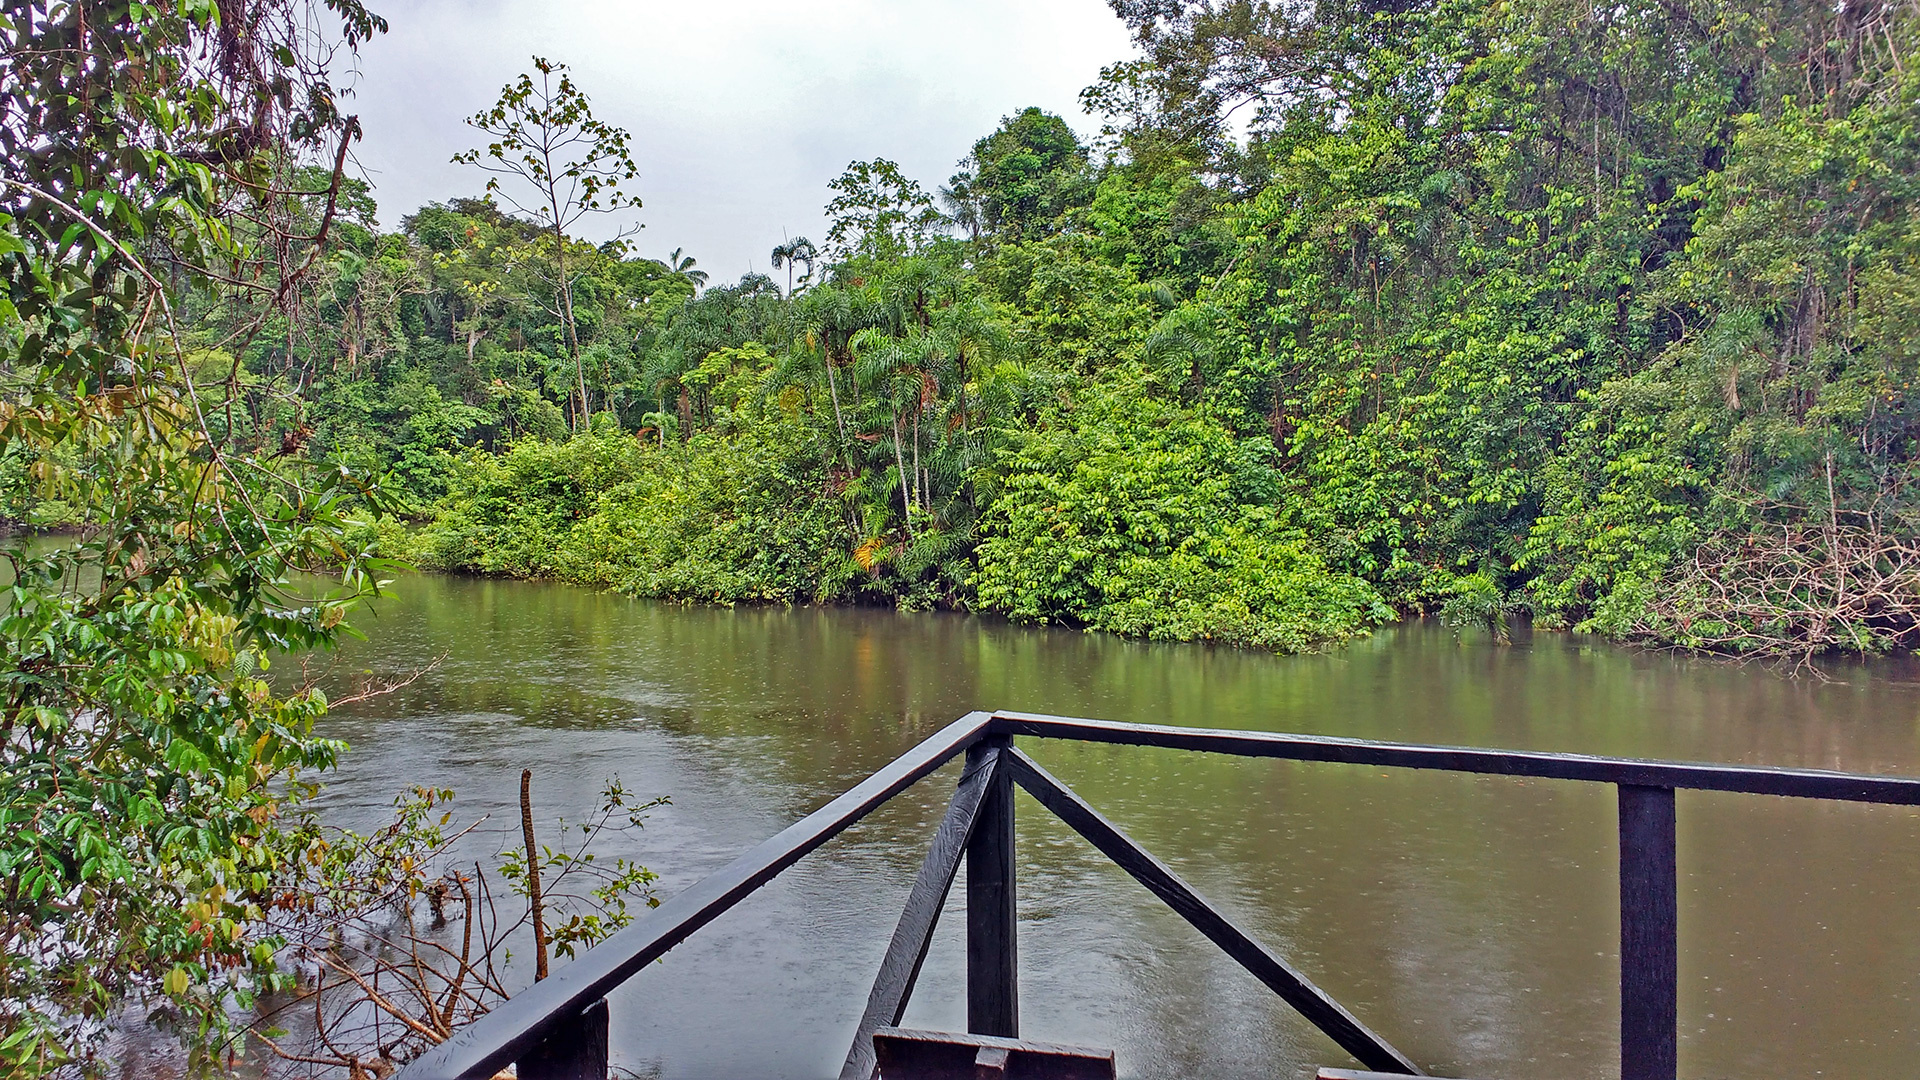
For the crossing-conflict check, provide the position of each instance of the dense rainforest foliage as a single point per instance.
(1603, 314)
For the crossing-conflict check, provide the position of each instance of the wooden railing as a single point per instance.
(557, 1029)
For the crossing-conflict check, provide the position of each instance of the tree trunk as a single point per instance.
(566, 304)
(534, 902)
(573, 346)
(900, 462)
(840, 421)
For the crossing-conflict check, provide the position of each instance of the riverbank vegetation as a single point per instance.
(1348, 310)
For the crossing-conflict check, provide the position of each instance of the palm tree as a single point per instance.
(889, 364)
(1182, 339)
(797, 250)
(683, 268)
(972, 338)
(829, 317)
(963, 206)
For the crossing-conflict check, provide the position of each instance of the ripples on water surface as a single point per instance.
(1470, 920)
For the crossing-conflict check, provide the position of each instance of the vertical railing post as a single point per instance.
(1649, 952)
(993, 998)
(576, 1049)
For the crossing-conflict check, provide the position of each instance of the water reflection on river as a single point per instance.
(1471, 921)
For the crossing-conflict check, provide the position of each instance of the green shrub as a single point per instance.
(745, 516)
(512, 513)
(723, 520)
(1120, 515)
(388, 538)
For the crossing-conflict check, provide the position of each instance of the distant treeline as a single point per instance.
(1606, 314)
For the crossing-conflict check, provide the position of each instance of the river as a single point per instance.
(1470, 920)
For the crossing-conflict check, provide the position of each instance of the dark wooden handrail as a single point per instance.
(1750, 779)
(548, 1021)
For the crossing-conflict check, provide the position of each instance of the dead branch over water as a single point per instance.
(1796, 585)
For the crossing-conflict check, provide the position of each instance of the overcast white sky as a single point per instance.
(741, 110)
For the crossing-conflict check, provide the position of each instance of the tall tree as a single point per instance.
(879, 211)
(686, 268)
(1020, 180)
(568, 165)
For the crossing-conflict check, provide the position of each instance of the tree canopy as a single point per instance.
(1524, 308)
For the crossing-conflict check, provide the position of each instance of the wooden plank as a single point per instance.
(906, 1054)
(993, 932)
(900, 968)
(575, 1050)
(496, 1040)
(1293, 987)
(1798, 783)
(1649, 923)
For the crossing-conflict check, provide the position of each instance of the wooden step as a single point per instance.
(906, 1054)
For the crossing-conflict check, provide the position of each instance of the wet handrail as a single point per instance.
(496, 1040)
(558, 1007)
(1643, 772)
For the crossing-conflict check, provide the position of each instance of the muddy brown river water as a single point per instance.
(1470, 920)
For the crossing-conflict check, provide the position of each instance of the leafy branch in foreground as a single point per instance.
(401, 940)
(145, 766)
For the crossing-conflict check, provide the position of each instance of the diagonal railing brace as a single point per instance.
(900, 968)
(1294, 988)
